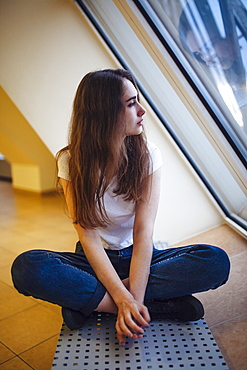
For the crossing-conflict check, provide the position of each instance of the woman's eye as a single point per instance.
(198, 56)
(132, 103)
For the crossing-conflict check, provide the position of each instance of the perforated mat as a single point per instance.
(165, 345)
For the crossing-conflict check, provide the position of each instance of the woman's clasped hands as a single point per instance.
(132, 318)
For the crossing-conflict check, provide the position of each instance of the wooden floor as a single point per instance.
(29, 328)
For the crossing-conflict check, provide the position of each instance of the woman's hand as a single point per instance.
(132, 318)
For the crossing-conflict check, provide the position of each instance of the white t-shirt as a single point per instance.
(119, 234)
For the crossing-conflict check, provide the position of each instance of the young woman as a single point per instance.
(110, 175)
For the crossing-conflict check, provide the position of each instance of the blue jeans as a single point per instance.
(67, 279)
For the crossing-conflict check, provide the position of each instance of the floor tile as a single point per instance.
(42, 238)
(43, 233)
(12, 302)
(3, 285)
(29, 328)
(17, 242)
(41, 356)
(5, 275)
(6, 257)
(50, 306)
(231, 337)
(230, 300)
(62, 242)
(5, 353)
(15, 364)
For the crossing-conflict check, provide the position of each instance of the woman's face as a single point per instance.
(220, 52)
(133, 110)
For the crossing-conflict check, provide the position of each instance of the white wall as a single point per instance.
(46, 48)
(185, 207)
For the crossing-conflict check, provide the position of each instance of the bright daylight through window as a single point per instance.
(212, 35)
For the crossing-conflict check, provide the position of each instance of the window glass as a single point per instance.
(212, 35)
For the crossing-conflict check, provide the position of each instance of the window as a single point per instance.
(212, 35)
(145, 39)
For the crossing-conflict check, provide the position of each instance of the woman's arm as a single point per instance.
(143, 238)
(130, 312)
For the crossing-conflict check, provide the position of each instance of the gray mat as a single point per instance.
(165, 345)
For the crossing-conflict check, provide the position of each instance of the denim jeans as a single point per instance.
(67, 279)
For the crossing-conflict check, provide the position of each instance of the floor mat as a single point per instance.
(165, 345)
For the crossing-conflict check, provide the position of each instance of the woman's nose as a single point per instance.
(210, 60)
(141, 110)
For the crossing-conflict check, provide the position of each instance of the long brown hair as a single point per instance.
(97, 152)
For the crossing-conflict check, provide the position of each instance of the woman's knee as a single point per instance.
(223, 262)
(24, 269)
(218, 264)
